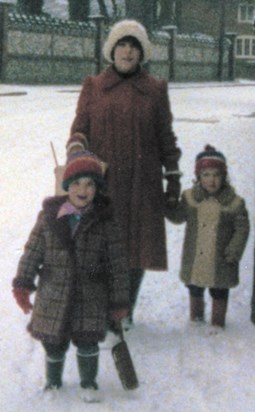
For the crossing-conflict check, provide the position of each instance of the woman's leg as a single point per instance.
(135, 279)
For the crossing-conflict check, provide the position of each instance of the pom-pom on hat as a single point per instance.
(127, 28)
(210, 157)
(83, 164)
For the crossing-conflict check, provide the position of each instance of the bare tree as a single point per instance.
(30, 6)
(141, 10)
(79, 10)
(166, 12)
(178, 14)
(114, 8)
(103, 9)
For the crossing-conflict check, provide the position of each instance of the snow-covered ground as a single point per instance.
(181, 367)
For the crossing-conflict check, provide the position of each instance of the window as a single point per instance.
(253, 47)
(246, 12)
(245, 47)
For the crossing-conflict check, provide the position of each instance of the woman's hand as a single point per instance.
(173, 190)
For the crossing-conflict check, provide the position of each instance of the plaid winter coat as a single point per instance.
(80, 280)
(128, 124)
(217, 228)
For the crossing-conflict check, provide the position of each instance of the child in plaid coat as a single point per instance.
(75, 261)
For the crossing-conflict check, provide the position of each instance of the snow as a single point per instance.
(181, 367)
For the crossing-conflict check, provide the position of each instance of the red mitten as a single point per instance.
(22, 298)
(119, 314)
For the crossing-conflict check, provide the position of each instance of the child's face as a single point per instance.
(82, 191)
(211, 180)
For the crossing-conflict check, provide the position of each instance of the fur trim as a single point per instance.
(225, 196)
(102, 210)
(77, 139)
(127, 28)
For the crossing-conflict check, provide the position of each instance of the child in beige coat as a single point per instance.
(216, 233)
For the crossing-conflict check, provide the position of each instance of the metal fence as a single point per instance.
(39, 49)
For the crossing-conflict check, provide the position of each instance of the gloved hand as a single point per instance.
(22, 298)
(119, 314)
(173, 190)
(77, 142)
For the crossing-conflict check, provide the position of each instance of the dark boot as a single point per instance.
(88, 368)
(219, 310)
(54, 372)
(197, 308)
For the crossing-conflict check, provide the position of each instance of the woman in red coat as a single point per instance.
(123, 115)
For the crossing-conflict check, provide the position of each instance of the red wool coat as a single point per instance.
(127, 122)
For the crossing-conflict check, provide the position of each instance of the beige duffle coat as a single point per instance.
(217, 229)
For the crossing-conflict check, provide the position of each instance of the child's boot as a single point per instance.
(88, 368)
(219, 309)
(197, 308)
(54, 372)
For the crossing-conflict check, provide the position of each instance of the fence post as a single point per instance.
(171, 30)
(222, 29)
(3, 39)
(231, 55)
(99, 22)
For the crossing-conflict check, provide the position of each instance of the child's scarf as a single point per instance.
(74, 214)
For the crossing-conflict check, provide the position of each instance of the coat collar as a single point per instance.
(110, 79)
(224, 197)
(60, 226)
(51, 206)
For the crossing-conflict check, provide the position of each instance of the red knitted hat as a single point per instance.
(83, 164)
(210, 158)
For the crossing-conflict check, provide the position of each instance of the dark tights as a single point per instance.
(215, 293)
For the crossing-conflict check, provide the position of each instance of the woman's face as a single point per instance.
(126, 56)
(211, 180)
(81, 192)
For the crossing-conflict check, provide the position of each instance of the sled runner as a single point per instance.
(124, 364)
(59, 172)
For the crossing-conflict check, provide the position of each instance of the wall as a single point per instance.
(197, 57)
(39, 50)
(52, 51)
(204, 16)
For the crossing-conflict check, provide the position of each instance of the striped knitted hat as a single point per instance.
(83, 164)
(210, 158)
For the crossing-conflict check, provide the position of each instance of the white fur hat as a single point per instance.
(127, 28)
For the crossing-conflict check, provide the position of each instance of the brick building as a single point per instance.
(230, 16)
